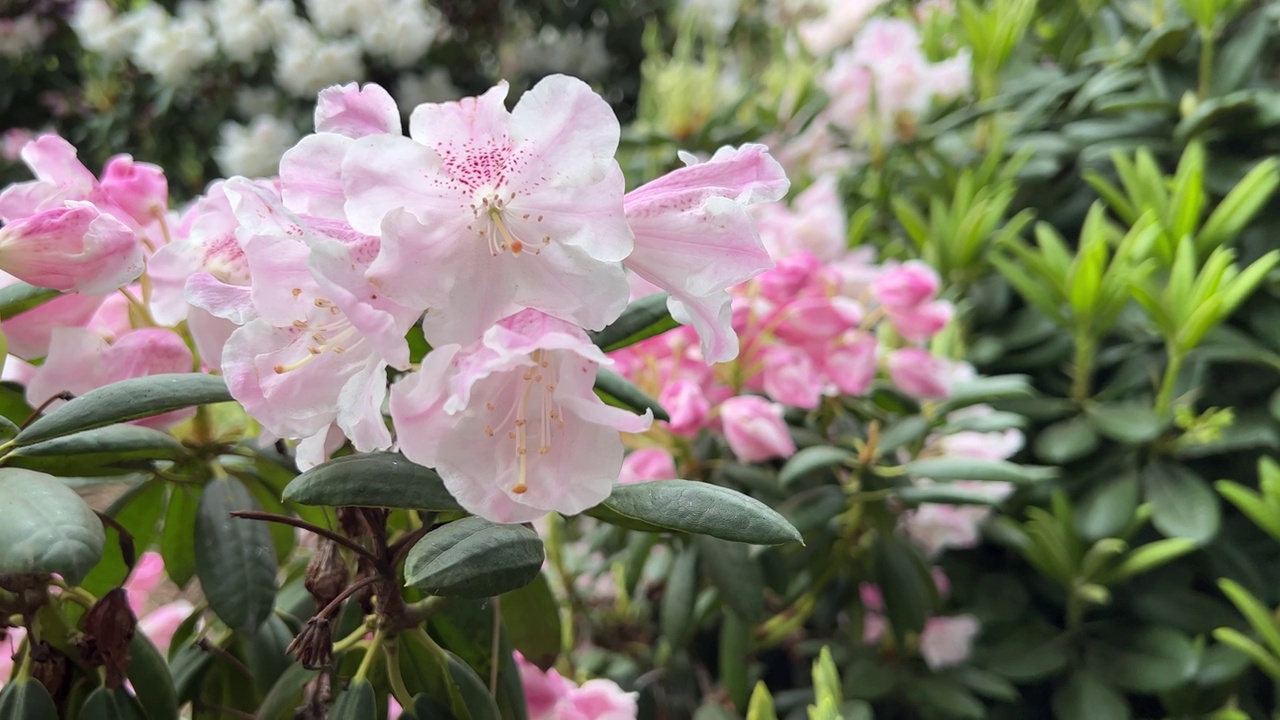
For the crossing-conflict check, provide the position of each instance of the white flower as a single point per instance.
(22, 34)
(172, 49)
(100, 31)
(336, 17)
(401, 32)
(241, 29)
(718, 16)
(305, 64)
(254, 150)
(571, 50)
(430, 87)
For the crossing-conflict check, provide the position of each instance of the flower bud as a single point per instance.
(140, 189)
(905, 286)
(919, 374)
(755, 429)
(647, 464)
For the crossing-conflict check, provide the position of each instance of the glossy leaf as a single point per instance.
(643, 319)
(378, 479)
(813, 459)
(731, 570)
(18, 297)
(235, 560)
(699, 508)
(1182, 503)
(358, 702)
(962, 468)
(1145, 660)
(618, 391)
(116, 448)
(45, 527)
(27, 700)
(1086, 697)
(148, 673)
(124, 401)
(474, 558)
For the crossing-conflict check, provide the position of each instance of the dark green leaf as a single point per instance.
(1108, 507)
(985, 390)
(1145, 660)
(473, 690)
(126, 400)
(285, 697)
(732, 571)
(961, 468)
(1130, 424)
(642, 319)
(951, 699)
(679, 597)
(106, 450)
(735, 656)
(1086, 697)
(357, 703)
(813, 459)
(148, 672)
(27, 700)
(474, 558)
(117, 704)
(178, 536)
(1065, 441)
(1182, 503)
(907, 586)
(699, 508)
(531, 616)
(1027, 655)
(945, 494)
(235, 560)
(19, 297)
(45, 527)
(379, 479)
(619, 392)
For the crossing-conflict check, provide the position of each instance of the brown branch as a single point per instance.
(342, 540)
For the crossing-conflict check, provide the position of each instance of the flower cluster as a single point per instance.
(824, 322)
(504, 234)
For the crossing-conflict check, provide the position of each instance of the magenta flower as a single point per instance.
(695, 239)
(755, 429)
(511, 422)
(917, 373)
(483, 212)
(549, 696)
(646, 465)
(906, 286)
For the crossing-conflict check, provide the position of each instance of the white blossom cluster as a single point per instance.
(328, 46)
(22, 34)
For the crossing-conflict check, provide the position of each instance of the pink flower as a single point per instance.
(695, 239)
(918, 374)
(548, 696)
(688, 407)
(851, 366)
(147, 575)
(790, 377)
(906, 286)
(934, 527)
(9, 643)
(529, 200)
(948, 641)
(755, 429)
(647, 464)
(838, 25)
(922, 322)
(160, 624)
(512, 423)
(139, 189)
(75, 247)
(59, 177)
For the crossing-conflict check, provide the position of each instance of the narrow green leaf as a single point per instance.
(177, 537)
(699, 508)
(46, 528)
(1260, 617)
(126, 400)
(986, 390)
(531, 616)
(358, 702)
(961, 468)
(1263, 514)
(1239, 206)
(102, 451)
(235, 560)
(1151, 556)
(1267, 662)
(377, 479)
(619, 392)
(19, 297)
(761, 705)
(812, 459)
(642, 319)
(735, 656)
(474, 558)
(148, 672)
(679, 597)
(731, 570)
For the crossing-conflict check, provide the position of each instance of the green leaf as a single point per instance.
(284, 698)
(960, 468)
(235, 560)
(619, 392)
(1027, 655)
(177, 537)
(1148, 659)
(943, 494)
(474, 692)
(732, 571)
(126, 400)
(1263, 514)
(1151, 556)
(813, 459)
(1130, 424)
(947, 697)
(986, 390)
(1108, 507)
(45, 527)
(102, 451)
(117, 704)
(642, 319)
(19, 297)
(908, 588)
(357, 703)
(27, 699)
(148, 672)
(699, 508)
(735, 657)
(377, 479)
(1240, 205)
(531, 616)
(1065, 441)
(1259, 616)
(1182, 503)
(761, 705)
(679, 597)
(1086, 697)
(474, 558)
(138, 511)
(1258, 654)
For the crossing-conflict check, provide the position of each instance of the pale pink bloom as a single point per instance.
(59, 177)
(851, 85)
(75, 247)
(695, 239)
(647, 464)
(935, 527)
(755, 429)
(851, 366)
(906, 286)
(815, 222)
(921, 323)
(139, 189)
(548, 696)
(874, 627)
(511, 422)
(953, 77)
(919, 374)
(81, 360)
(160, 624)
(317, 352)
(12, 141)
(793, 272)
(790, 377)
(148, 573)
(837, 26)
(948, 641)
(941, 581)
(8, 648)
(818, 318)
(393, 709)
(29, 333)
(601, 699)
(500, 210)
(687, 406)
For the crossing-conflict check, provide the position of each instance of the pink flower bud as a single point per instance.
(76, 247)
(791, 378)
(923, 321)
(793, 272)
(140, 189)
(919, 374)
(851, 367)
(647, 464)
(687, 406)
(819, 318)
(905, 286)
(755, 429)
(603, 700)
(160, 624)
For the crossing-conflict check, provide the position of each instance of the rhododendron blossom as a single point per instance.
(511, 422)
(484, 211)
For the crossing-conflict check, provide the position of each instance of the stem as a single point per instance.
(495, 646)
(342, 540)
(1206, 62)
(394, 678)
(1165, 398)
(1082, 368)
(366, 662)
